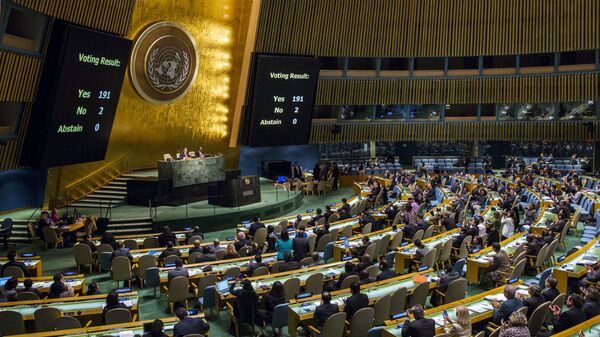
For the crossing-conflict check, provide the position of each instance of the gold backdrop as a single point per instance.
(142, 131)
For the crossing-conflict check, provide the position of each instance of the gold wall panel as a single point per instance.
(108, 15)
(404, 28)
(19, 75)
(475, 131)
(549, 88)
(142, 131)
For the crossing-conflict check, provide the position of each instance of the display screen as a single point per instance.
(78, 96)
(281, 100)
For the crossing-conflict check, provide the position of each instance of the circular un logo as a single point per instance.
(164, 62)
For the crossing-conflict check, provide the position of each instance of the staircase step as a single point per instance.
(88, 204)
(117, 183)
(111, 191)
(103, 197)
(114, 188)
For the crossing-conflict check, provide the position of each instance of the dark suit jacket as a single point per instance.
(446, 279)
(169, 252)
(386, 274)
(242, 243)
(591, 309)
(567, 319)
(173, 273)
(343, 276)
(190, 325)
(533, 248)
(355, 303)
(550, 294)
(424, 327)
(324, 311)
(532, 303)
(121, 252)
(292, 265)
(300, 248)
(164, 238)
(253, 266)
(90, 244)
(506, 308)
(254, 227)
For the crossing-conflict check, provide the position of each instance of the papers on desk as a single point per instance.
(569, 267)
(587, 260)
(331, 272)
(193, 272)
(41, 285)
(128, 303)
(439, 320)
(484, 259)
(128, 333)
(499, 297)
(480, 308)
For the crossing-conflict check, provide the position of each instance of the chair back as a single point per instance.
(50, 236)
(312, 239)
(480, 334)
(280, 316)
(130, 243)
(121, 268)
(45, 318)
(419, 295)
(536, 320)
(518, 269)
(193, 257)
(361, 322)
(442, 335)
(518, 250)
(325, 239)
(418, 235)
(105, 262)
(210, 296)
(31, 231)
(118, 315)
(151, 242)
(457, 290)
(464, 247)
(276, 267)
(67, 322)
(27, 296)
(145, 262)
(260, 271)
(382, 309)
(348, 281)
(372, 250)
(559, 301)
(333, 218)
(428, 232)
(397, 240)
(179, 289)
(205, 282)
(83, 254)
(334, 233)
(233, 272)
(321, 220)
(446, 251)
(193, 239)
(367, 228)
(541, 257)
(104, 247)
(429, 258)
(328, 251)
(220, 254)
(495, 333)
(170, 259)
(11, 323)
(544, 275)
(552, 249)
(347, 231)
(372, 270)
(398, 300)
(306, 261)
(397, 218)
(244, 251)
(384, 243)
(334, 325)
(291, 287)
(517, 258)
(13, 271)
(459, 266)
(314, 284)
(152, 277)
(260, 236)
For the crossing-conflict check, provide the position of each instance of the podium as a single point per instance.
(235, 192)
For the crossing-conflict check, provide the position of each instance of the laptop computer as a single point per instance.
(223, 286)
(3, 280)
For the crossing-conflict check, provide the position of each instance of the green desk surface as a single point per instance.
(357, 241)
(581, 258)
(28, 310)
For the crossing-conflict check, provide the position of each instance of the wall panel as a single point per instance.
(404, 28)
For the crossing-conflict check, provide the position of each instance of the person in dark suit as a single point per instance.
(12, 262)
(317, 217)
(533, 246)
(195, 232)
(252, 266)
(245, 304)
(300, 245)
(499, 268)
(386, 271)
(112, 302)
(421, 326)
(87, 241)
(503, 310)
(166, 236)
(156, 330)
(188, 325)
(356, 301)
(169, 251)
(591, 302)
(349, 270)
(325, 310)
(364, 277)
(178, 271)
(443, 284)
(550, 292)
(184, 154)
(288, 263)
(108, 239)
(535, 299)
(365, 262)
(345, 206)
(43, 222)
(121, 251)
(569, 318)
(328, 212)
(28, 286)
(197, 248)
(297, 171)
(409, 230)
(320, 231)
(256, 225)
(241, 241)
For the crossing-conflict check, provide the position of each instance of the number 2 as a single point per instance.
(296, 109)
(101, 111)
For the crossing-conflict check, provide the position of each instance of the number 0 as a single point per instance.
(294, 121)
(97, 127)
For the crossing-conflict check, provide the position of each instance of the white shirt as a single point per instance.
(508, 227)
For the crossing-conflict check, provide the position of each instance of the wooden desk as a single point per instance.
(483, 258)
(540, 225)
(408, 252)
(302, 311)
(480, 309)
(139, 238)
(569, 267)
(32, 264)
(339, 249)
(42, 284)
(68, 228)
(591, 328)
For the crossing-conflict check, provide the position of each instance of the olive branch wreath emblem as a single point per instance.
(155, 80)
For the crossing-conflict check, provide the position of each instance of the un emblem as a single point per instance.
(164, 62)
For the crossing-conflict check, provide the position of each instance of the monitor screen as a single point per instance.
(77, 99)
(223, 286)
(3, 280)
(280, 100)
(281, 179)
